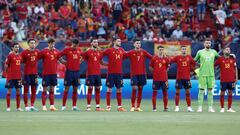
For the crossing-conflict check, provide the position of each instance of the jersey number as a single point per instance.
(17, 62)
(33, 58)
(75, 56)
(227, 65)
(184, 63)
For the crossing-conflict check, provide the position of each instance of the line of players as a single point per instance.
(72, 58)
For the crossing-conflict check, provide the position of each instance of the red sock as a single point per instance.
(188, 99)
(139, 98)
(44, 98)
(119, 98)
(108, 98)
(8, 99)
(25, 95)
(177, 99)
(18, 98)
(89, 96)
(154, 98)
(133, 98)
(74, 98)
(229, 100)
(97, 96)
(64, 98)
(33, 94)
(165, 98)
(222, 99)
(51, 97)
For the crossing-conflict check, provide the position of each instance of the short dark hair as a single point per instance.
(160, 47)
(31, 39)
(183, 46)
(208, 39)
(136, 40)
(14, 44)
(92, 39)
(75, 41)
(51, 40)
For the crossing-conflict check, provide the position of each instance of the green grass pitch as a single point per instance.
(120, 123)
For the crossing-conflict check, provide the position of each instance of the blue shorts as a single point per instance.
(30, 80)
(183, 83)
(227, 86)
(49, 80)
(138, 80)
(16, 83)
(201, 8)
(160, 85)
(93, 80)
(114, 79)
(72, 78)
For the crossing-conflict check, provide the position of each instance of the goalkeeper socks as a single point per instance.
(74, 98)
(44, 98)
(139, 98)
(25, 95)
(210, 99)
(229, 99)
(97, 96)
(133, 98)
(200, 97)
(177, 98)
(154, 98)
(89, 95)
(165, 98)
(64, 99)
(222, 99)
(188, 99)
(119, 99)
(108, 98)
(18, 98)
(8, 99)
(51, 97)
(33, 94)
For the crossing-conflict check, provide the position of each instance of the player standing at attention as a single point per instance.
(72, 75)
(138, 73)
(13, 70)
(184, 65)
(115, 78)
(159, 65)
(206, 79)
(30, 60)
(93, 57)
(50, 57)
(228, 77)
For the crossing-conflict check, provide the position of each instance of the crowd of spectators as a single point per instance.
(156, 20)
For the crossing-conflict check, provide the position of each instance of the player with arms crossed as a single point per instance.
(115, 78)
(13, 70)
(30, 60)
(184, 65)
(206, 79)
(159, 65)
(137, 58)
(93, 57)
(50, 57)
(228, 77)
(72, 74)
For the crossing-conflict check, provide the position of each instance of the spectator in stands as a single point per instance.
(177, 33)
(90, 25)
(82, 27)
(169, 22)
(189, 34)
(101, 28)
(149, 34)
(207, 33)
(64, 12)
(22, 12)
(130, 33)
(167, 33)
(134, 11)
(117, 9)
(61, 33)
(6, 15)
(220, 21)
(39, 9)
(198, 36)
(2, 31)
(201, 8)
(19, 31)
(190, 15)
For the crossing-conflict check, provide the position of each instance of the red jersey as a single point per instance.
(14, 66)
(50, 61)
(22, 11)
(73, 58)
(184, 66)
(115, 59)
(30, 59)
(227, 69)
(137, 60)
(160, 67)
(93, 58)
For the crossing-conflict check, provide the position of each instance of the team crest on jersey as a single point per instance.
(231, 61)
(164, 61)
(134, 54)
